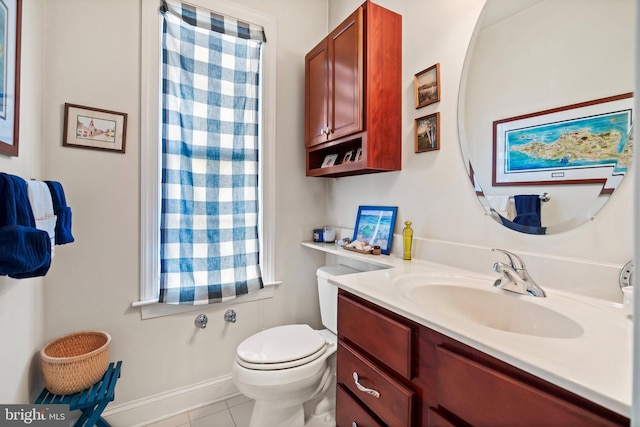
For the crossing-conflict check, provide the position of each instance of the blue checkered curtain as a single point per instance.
(209, 247)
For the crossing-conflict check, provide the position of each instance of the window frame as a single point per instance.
(150, 125)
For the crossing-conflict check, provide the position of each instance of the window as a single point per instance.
(151, 131)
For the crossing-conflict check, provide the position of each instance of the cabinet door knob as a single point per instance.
(370, 391)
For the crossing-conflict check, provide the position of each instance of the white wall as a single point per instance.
(93, 58)
(432, 190)
(21, 301)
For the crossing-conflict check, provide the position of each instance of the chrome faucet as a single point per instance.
(515, 277)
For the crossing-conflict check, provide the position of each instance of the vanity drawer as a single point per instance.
(482, 396)
(394, 405)
(434, 419)
(386, 339)
(349, 411)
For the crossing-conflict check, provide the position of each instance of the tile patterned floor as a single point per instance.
(234, 412)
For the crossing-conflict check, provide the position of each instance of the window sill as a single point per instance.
(153, 309)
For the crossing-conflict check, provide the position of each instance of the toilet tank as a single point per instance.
(328, 294)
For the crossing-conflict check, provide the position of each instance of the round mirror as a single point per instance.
(545, 109)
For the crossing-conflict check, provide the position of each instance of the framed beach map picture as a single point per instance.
(590, 142)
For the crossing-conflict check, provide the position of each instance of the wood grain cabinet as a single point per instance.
(353, 95)
(410, 375)
(375, 371)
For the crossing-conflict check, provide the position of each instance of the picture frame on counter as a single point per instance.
(374, 226)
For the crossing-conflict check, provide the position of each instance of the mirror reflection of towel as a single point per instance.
(528, 210)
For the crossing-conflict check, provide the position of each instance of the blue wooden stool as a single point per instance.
(91, 401)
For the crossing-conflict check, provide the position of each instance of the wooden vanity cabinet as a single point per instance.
(428, 379)
(353, 95)
(381, 365)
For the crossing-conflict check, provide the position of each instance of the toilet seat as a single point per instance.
(281, 347)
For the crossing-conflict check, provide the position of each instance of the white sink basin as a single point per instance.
(478, 301)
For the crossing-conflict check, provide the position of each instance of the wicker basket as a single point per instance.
(75, 361)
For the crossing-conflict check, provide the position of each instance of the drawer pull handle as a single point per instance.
(370, 391)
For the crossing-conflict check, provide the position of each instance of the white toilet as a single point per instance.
(287, 368)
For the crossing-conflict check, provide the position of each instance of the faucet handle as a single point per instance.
(514, 260)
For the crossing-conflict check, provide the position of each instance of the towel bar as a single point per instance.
(544, 197)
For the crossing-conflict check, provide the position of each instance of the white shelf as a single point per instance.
(384, 261)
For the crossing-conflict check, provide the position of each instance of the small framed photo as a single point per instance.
(427, 133)
(94, 128)
(374, 226)
(427, 86)
(347, 157)
(358, 155)
(329, 160)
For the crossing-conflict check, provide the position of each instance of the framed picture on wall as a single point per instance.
(427, 86)
(585, 143)
(11, 23)
(94, 128)
(427, 133)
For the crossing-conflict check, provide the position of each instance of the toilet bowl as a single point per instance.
(287, 368)
(296, 367)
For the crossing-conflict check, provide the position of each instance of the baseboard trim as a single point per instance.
(170, 403)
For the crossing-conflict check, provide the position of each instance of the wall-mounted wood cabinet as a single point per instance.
(410, 375)
(353, 95)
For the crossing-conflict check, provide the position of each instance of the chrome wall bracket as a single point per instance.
(201, 320)
(626, 275)
(230, 316)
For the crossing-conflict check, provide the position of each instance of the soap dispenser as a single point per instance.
(407, 237)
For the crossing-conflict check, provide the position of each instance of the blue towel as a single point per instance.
(62, 211)
(25, 251)
(15, 208)
(528, 210)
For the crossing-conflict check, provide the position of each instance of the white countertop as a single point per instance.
(595, 365)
